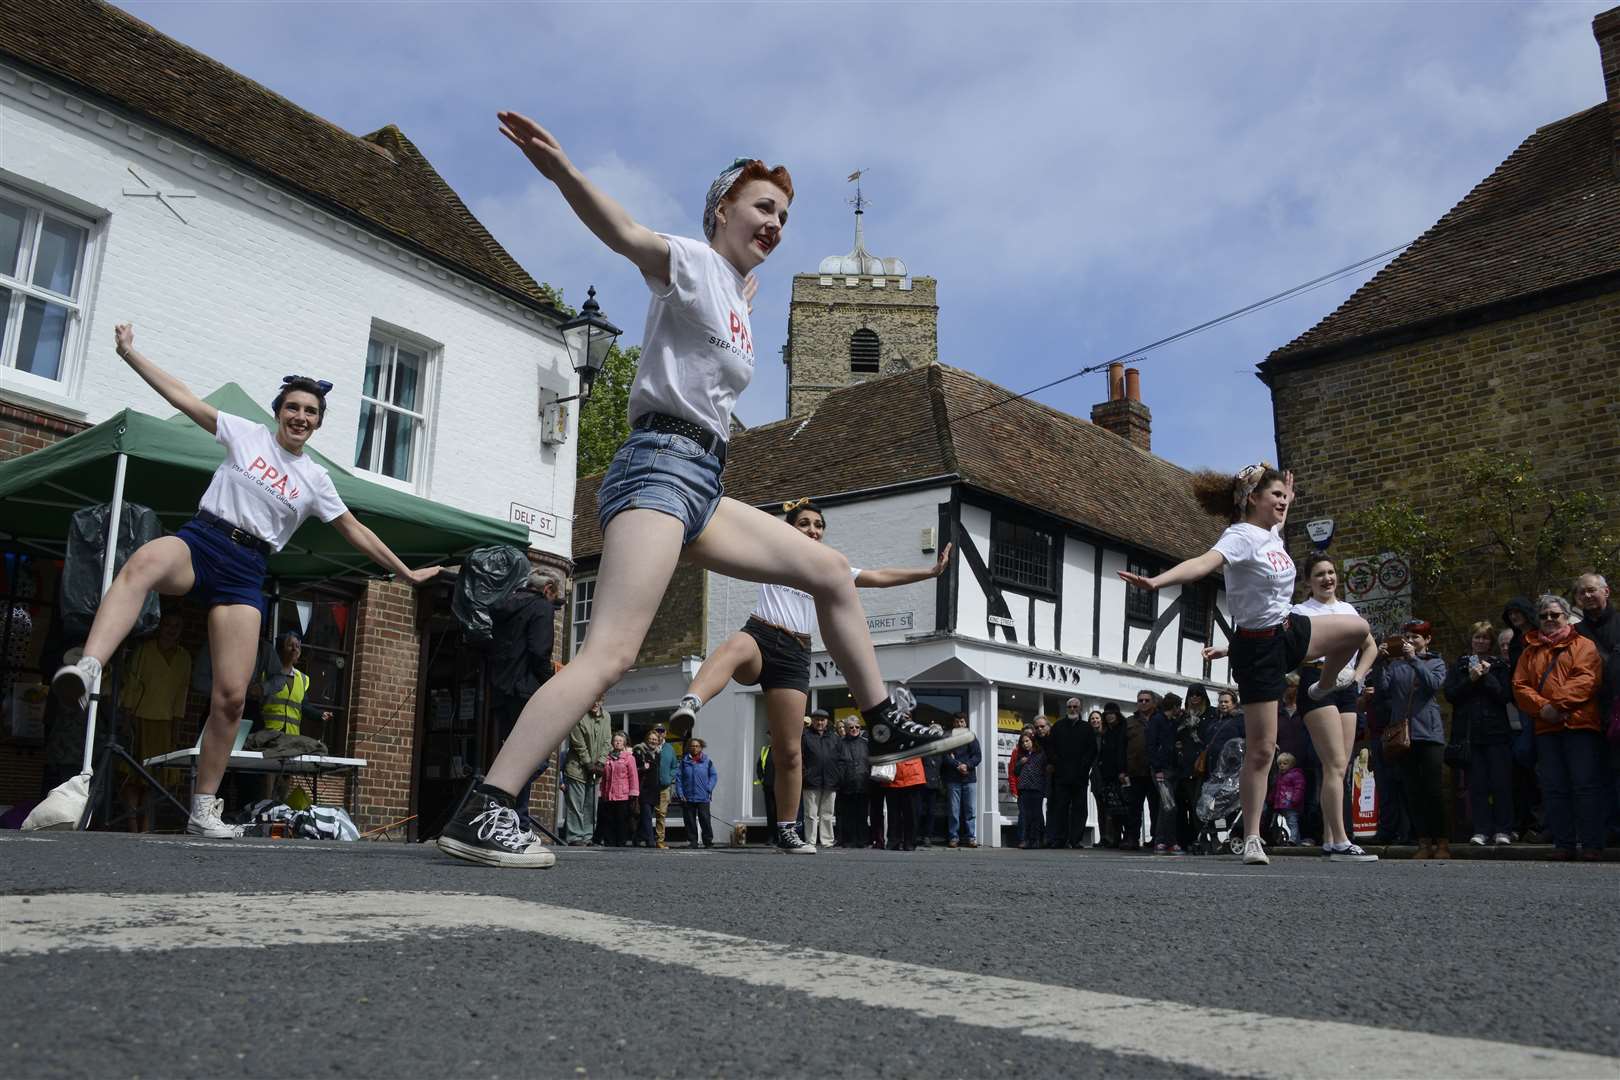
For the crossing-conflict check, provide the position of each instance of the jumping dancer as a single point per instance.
(258, 497)
(662, 499)
(1270, 641)
(772, 650)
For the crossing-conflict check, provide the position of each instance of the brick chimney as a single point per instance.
(1123, 413)
(1606, 28)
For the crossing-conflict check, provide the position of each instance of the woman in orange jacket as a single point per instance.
(902, 804)
(1556, 685)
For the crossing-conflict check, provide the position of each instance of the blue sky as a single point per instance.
(1082, 179)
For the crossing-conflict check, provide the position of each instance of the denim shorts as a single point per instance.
(655, 470)
(226, 572)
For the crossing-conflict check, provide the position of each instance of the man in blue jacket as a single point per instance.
(959, 769)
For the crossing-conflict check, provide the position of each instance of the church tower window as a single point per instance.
(864, 347)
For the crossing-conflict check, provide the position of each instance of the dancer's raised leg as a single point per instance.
(737, 658)
(163, 565)
(639, 552)
(1335, 638)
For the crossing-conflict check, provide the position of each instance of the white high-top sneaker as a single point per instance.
(72, 682)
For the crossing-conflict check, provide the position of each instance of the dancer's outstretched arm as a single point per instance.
(890, 576)
(1196, 569)
(174, 391)
(370, 544)
(611, 223)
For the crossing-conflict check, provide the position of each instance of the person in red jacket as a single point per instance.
(620, 792)
(1556, 685)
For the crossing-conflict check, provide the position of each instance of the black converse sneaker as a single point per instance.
(789, 842)
(895, 736)
(487, 831)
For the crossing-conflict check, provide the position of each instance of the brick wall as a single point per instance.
(382, 724)
(822, 317)
(1365, 428)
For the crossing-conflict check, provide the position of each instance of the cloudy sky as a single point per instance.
(1082, 179)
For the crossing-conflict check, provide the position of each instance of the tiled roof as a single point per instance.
(1547, 217)
(380, 180)
(901, 428)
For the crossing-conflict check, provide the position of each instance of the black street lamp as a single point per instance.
(588, 337)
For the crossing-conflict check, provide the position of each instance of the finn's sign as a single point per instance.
(536, 521)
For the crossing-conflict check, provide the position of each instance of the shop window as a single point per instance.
(44, 252)
(1022, 556)
(324, 619)
(1195, 604)
(393, 435)
(584, 599)
(28, 589)
(1141, 605)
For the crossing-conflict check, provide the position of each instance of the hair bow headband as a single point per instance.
(717, 191)
(1248, 478)
(325, 387)
(789, 507)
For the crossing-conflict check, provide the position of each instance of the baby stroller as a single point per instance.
(1219, 800)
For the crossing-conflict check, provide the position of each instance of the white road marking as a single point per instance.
(1227, 1041)
(1256, 875)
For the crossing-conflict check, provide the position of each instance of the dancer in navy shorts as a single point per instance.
(258, 497)
(1271, 640)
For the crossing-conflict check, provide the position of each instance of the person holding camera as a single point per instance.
(1408, 679)
(1480, 688)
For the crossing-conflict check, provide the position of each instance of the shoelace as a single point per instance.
(500, 823)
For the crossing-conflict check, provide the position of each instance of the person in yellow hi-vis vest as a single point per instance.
(284, 707)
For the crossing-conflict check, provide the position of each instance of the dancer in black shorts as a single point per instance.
(258, 497)
(772, 651)
(1270, 641)
(662, 499)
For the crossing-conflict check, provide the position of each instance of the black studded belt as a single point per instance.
(675, 425)
(237, 535)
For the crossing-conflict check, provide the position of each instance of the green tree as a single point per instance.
(604, 417)
(1510, 529)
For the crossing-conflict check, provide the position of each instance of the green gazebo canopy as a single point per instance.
(170, 463)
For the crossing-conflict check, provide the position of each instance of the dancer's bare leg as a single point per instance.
(736, 658)
(1259, 748)
(1332, 736)
(639, 552)
(1335, 638)
(743, 542)
(233, 643)
(784, 709)
(162, 565)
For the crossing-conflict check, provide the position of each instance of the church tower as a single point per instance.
(859, 318)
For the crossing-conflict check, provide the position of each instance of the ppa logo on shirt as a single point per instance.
(1280, 562)
(739, 330)
(272, 479)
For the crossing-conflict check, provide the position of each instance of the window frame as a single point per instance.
(1206, 602)
(1144, 601)
(37, 209)
(428, 380)
(578, 628)
(998, 526)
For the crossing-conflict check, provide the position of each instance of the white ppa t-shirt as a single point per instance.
(791, 609)
(1312, 606)
(1259, 575)
(262, 488)
(697, 352)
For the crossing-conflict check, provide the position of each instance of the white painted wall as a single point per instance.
(256, 284)
(972, 606)
(878, 532)
(1079, 595)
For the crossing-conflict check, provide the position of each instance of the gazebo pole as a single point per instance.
(107, 563)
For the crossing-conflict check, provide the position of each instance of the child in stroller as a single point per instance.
(1219, 801)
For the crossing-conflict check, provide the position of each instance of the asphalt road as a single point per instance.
(164, 956)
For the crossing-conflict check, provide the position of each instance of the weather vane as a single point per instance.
(859, 202)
